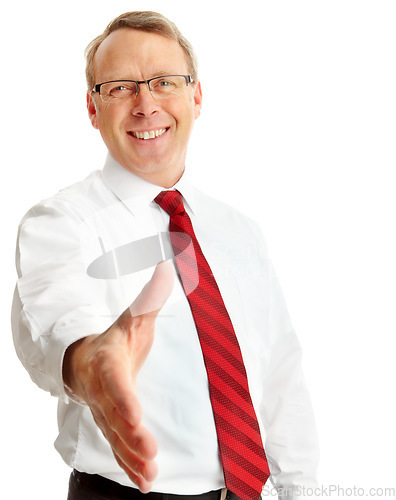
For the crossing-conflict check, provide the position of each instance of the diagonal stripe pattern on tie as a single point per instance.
(241, 449)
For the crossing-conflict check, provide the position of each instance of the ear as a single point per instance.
(197, 100)
(92, 112)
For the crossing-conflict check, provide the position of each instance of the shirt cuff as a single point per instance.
(61, 338)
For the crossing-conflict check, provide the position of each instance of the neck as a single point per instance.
(164, 179)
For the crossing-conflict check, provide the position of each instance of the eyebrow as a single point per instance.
(154, 75)
(161, 73)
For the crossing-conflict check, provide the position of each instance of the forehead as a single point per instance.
(134, 54)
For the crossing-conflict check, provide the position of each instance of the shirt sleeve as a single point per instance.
(55, 302)
(286, 410)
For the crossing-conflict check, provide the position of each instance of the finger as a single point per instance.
(124, 405)
(118, 388)
(156, 292)
(143, 484)
(122, 417)
(146, 469)
(138, 440)
(140, 443)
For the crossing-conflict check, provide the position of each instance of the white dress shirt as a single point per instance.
(57, 302)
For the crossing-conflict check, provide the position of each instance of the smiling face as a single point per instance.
(147, 136)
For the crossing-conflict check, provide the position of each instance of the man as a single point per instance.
(176, 393)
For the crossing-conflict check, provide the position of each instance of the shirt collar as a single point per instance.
(184, 186)
(137, 193)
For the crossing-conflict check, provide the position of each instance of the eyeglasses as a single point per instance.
(160, 86)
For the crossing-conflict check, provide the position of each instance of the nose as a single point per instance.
(144, 103)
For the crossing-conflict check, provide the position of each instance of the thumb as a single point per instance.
(146, 306)
(156, 292)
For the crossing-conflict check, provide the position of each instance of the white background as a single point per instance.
(298, 128)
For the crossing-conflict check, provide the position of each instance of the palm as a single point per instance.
(103, 370)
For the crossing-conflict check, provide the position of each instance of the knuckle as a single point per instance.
(99, 420)
(112, 418)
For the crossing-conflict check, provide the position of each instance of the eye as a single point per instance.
(118, 90)
(121, 90)
(163, 85)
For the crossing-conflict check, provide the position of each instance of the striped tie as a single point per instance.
(241, 449)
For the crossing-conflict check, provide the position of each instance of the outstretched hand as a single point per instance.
(101, 370)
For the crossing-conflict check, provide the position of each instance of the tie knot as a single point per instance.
(171, 202)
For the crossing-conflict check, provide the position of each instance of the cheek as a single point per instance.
(182, 110)
(109, 120)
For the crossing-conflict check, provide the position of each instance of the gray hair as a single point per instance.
(144, 21)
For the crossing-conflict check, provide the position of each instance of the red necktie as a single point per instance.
(241, 449)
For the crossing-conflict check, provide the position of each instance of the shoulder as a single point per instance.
(74, 201)
(64, 219)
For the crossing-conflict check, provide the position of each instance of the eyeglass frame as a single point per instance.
(96, 88)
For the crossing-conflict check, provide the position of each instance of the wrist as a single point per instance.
(73, 364)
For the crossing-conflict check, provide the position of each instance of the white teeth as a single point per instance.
(149, 134)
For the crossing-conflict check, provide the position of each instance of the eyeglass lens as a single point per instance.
(160, 87)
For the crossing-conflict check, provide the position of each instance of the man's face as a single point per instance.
(128, 54)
